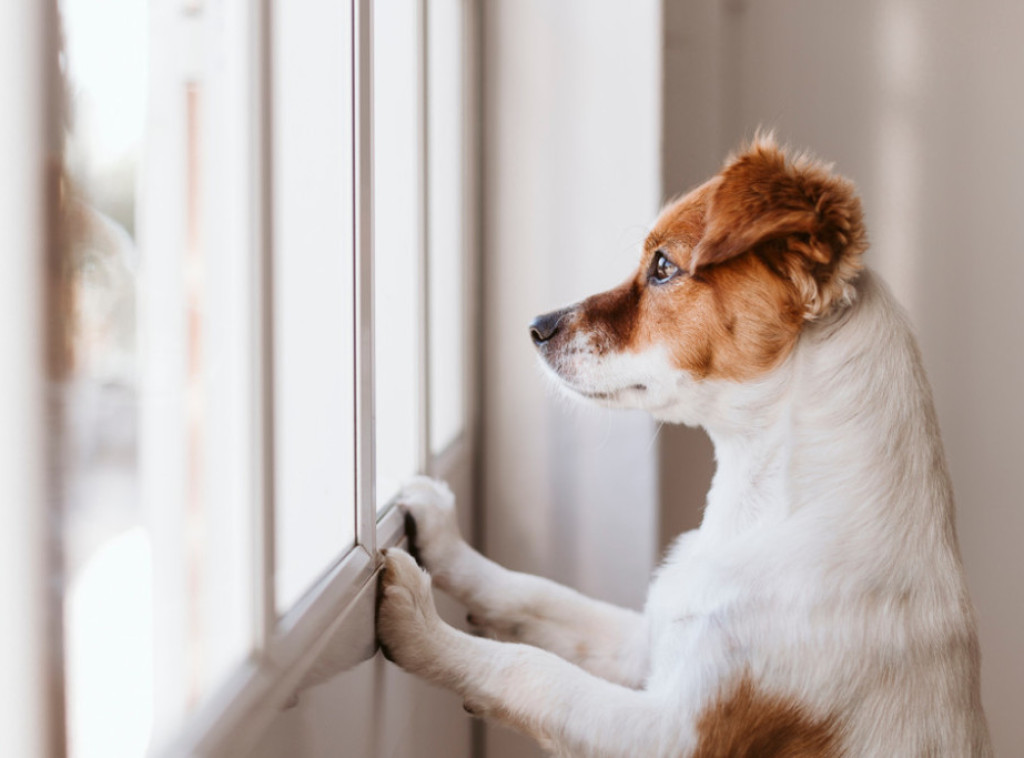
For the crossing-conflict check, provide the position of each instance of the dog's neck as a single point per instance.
(845, 425)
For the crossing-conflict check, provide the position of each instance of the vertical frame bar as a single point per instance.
(425, 459)
(31, 664)
(56, 314)
(362, 146)
(161, 286)
(263, 316)
(194, 391)
(474, 123)
(472, 230)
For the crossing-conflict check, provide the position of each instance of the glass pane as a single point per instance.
(446, 243)
(397, 234)
(313, 307)
(157, 398)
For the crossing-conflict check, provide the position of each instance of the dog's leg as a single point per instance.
(569, 710)
(608, 641)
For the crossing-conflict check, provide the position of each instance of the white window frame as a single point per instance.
(331, 628)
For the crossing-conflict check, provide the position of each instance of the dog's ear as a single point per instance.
(804, 220)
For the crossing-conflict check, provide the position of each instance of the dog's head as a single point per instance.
(727, 279)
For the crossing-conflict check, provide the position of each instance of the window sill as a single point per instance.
(329, 631)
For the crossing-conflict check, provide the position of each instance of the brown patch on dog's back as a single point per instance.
(747, 723)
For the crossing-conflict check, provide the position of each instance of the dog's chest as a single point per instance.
(696, 607)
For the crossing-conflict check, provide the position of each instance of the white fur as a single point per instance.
(826, 568)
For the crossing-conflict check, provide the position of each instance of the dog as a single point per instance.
(821, 607)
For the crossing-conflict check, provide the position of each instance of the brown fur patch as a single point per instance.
(768, 243)
(612, 316)
(746, 723)
(732, 322)
(796, 212)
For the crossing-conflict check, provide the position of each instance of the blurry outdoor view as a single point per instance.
(108, 604)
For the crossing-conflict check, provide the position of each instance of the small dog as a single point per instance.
(821, 608)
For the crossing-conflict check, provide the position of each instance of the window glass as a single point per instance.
(313, 291)
(445, 205)
(156, 443)
(160, 469)
(397, 232)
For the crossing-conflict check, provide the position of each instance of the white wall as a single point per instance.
(571, 134)
(918, 102)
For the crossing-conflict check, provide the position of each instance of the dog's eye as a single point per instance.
(662, 269)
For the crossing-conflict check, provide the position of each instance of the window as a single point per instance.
(313, 285)
(398, 239)
(447, 222)
(263, 309)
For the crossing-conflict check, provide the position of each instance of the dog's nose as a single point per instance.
(545, 327)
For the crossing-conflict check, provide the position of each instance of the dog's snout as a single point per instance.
(545, 327)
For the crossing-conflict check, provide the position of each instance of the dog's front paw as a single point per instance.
(434, 533)
(408, 627)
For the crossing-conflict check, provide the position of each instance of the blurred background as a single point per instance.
(213, 162)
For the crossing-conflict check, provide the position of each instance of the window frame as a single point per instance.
(335, 618)
(29, 336)
(331, 628)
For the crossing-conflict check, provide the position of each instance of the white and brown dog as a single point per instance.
(821, 608)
